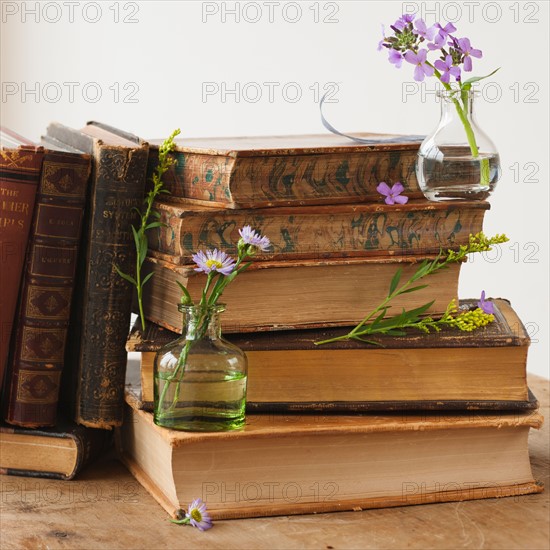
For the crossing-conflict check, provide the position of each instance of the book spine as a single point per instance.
(46, 291)
(286, 180)
(319, 232)
(19, 176)
(101, 314)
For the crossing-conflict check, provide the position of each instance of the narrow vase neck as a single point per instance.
(201, 322)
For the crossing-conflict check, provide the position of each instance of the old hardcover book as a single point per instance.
(20, 165)
(290, 295)
(45, 301)
(419, 227)
(101, 312)
(313, 464)
(447, 370)
(57, 453)
(265, 171)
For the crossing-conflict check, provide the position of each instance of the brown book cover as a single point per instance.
(286, 295)
(419, 227)
(322, 463)
(101, 310)
(447, 370)
(266, 171)
(46, 292)
(20, 165)
(60, 452)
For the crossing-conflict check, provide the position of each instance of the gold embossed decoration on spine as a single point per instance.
(46, 292)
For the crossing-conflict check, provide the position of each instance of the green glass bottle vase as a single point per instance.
(200, 378)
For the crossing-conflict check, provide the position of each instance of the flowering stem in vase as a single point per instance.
(462, 111)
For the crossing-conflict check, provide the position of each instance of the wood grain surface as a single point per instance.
(107, 509)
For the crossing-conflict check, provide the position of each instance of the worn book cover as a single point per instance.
(46, 292)
(321, 463)
(100, 314)
(447, 370)
(266, 171)
(20, 165)
(419, 227)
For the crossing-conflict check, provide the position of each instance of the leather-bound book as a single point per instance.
(20, 165)
(419, 227)
(60, 452)
(45, 300)
(100, 319)
(295, 170)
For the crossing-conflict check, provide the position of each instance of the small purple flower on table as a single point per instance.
(485, 305)
(198, 515)
(422, 68)
(393, 194)
(447, 69)
(468, 52)
(213, 260)
(253, 238)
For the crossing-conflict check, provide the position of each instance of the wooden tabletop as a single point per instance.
(105, 508)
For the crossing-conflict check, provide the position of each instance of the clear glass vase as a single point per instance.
(457, 160)
(200, 378)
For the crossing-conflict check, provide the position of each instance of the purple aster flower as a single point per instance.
(395, 58)
(393, 193)
(485, 305)
(468, 52)
(198, 516)
(422, 69)
(441, 36)
(447, 69)
(253, 238)
(403, 21)
(421, 29)
(213, 260)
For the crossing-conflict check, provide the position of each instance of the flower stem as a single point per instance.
(462, 111)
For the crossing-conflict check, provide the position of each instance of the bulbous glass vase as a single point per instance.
(200, 379)
(457, 160)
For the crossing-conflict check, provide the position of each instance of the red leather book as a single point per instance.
(20, 164)
(43, 313)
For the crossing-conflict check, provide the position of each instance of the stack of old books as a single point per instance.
(422, 418)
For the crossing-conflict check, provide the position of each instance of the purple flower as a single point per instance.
(198, 516)
(381, 43)
(253, 238)
(485, 305)
(422, 69)
(468, 52)
(393, 193)
(395, 58)
(441, 36)
(421, 29)
(403, 21)
(213, 260)
(447, 69)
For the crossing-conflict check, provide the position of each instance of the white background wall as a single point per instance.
(152, 66)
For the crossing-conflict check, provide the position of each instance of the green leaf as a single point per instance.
(146, 278)
(467, 84)
(420, 310)
(414, 289)
(372, 342)
(126, 277)
(152, 225)
(379, 318)
(395, 281)
(186, 298)
(143, 245)
(155, 214)
(136, 238)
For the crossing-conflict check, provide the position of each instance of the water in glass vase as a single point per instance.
(452, 175)
(207, 400)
